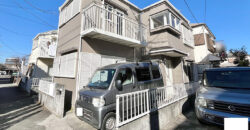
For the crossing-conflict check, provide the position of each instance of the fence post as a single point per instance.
(117, 111)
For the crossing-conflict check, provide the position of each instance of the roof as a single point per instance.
(52, 32)
(136, 7)
(230, 69)
(193, 25)
(210, 58)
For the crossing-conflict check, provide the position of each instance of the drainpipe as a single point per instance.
(78, 77)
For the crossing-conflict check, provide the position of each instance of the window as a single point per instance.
(126, 76)
(163, 19)
(155, 72)
(177, 24)
(143, 74)
(110, 9)
(158, 21)
(173, 21)
(69, 11)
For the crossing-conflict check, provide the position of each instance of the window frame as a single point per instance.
(133, 76)
(150, 74)
(167, 20)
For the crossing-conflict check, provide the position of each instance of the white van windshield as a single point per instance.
(102, 79)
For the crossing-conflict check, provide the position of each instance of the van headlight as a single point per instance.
(202, 102)
(98, 102)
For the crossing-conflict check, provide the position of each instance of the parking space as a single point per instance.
(188, 121)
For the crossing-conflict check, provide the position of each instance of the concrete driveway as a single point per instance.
(20, 111)
(188, 121)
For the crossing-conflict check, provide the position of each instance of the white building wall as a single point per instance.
(41, 42)
(201, 51)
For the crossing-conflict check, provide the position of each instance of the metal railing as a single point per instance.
(97, 17)
(35, 82)
(131, 106)
(44, 52)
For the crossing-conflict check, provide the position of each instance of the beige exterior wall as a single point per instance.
(69, 35)
(107, 48)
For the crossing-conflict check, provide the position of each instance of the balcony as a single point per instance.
(45, 52)
(112, 26)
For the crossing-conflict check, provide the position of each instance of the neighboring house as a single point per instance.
(43, 53)
(41, 59)
(229, 62)
(12, 65)
(100, 32)
(205, 46)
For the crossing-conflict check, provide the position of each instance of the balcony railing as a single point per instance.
(46, 52)
(112, 23)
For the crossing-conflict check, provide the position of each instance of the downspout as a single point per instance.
(78, 77)
(141, 35)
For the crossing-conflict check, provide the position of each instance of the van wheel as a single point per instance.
(109, 122)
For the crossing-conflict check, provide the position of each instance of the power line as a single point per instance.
(11, 31)
(191, 11)
(39, 9)
(23, 18)
(10, 48)
(40, 19)
(11, 6)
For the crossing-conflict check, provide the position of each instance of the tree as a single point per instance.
(240, 56)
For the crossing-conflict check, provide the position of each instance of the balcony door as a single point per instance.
(114, 19)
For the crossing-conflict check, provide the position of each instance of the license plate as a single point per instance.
(79, 112)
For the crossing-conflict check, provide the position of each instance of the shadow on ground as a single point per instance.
(15, 106)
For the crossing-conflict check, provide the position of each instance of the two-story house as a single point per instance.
(42, 55)
(95, 33)
(205, 46)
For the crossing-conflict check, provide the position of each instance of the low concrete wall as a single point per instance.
(54, 104)
(159, 119)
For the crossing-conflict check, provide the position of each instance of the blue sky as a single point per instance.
(20, 22)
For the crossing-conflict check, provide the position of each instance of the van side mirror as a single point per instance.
(118, 85)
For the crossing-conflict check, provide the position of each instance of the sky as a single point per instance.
(22, 20)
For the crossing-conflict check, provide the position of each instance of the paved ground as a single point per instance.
(20, 111)
(188, 121)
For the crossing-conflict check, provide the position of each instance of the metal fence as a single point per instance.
(35, 82)
(131, 106)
